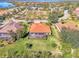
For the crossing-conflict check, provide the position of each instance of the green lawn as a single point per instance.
(20, 45)
(38, 44)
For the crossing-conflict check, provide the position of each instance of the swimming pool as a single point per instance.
(6, 5)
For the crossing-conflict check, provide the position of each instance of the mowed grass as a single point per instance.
(38, 45)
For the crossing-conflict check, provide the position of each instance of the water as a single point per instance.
(6, 5)
(32, 0)
(40, 0)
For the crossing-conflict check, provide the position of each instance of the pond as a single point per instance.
(6, 5)
(40, 0)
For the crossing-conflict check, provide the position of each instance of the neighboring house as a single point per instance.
(40, 8)
(38, 21)
(66, 15)
(31, 21)
(68, 25)
(53, 9)
(9, 27)
(76, 11)
(56, 9)
(39, 30)
(31, 8)
(3, 12)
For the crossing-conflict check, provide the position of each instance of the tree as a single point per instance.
(53, 17)
(29, 45)
(21, 33)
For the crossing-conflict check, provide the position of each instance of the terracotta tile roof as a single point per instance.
(76, 11)
(69, 25)
(3, 12)
(11, 26)
(39, 27)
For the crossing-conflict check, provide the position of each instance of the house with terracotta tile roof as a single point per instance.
(39, 30)
(76, 11)
(2, 12)
(9, 27)
(65, 16)
(68, 25)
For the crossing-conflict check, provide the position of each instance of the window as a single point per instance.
(41, 33)
(31, 33)
(36, 33)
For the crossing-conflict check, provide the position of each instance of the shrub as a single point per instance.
(1, 45)
(54, 45)
(29, 45)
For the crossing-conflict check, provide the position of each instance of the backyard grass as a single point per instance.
(37, 44)
(21, 45)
